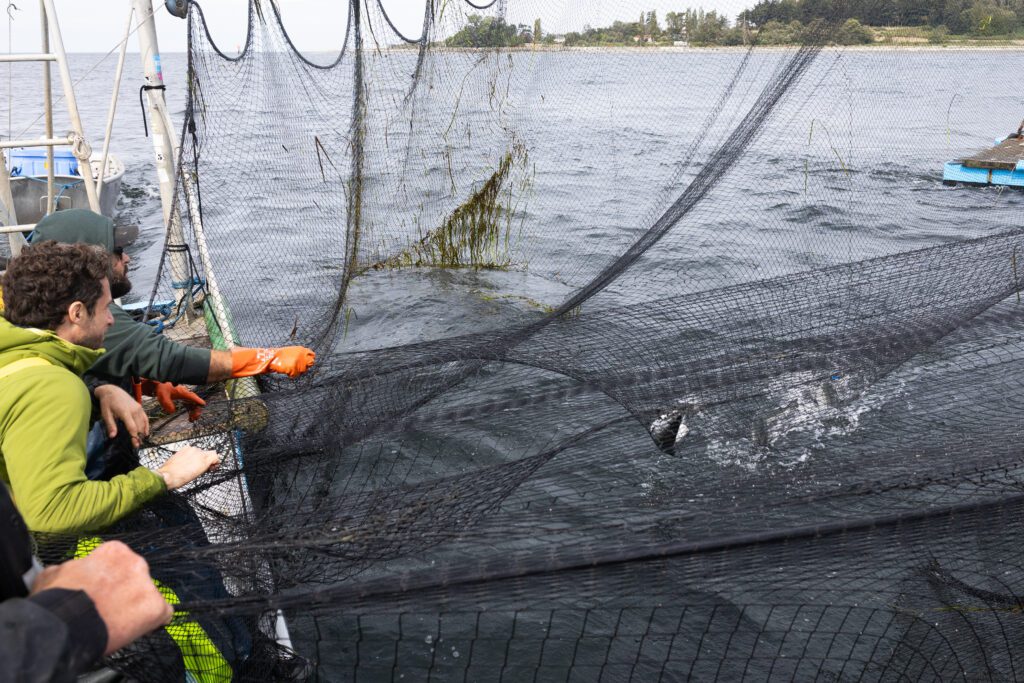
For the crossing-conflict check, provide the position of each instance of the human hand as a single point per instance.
(292, 360)
(288, 360)
(117, 581)
(186, 465)
(118, 404)
(166, 394)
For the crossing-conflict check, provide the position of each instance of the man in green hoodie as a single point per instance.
(56, 300)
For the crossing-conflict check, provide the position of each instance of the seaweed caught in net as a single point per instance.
(633, 363)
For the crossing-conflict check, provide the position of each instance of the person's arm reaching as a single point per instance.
(242, 362)
(117, 582)
(44, 452)
(77, 612)
(47, 474)
(186, 465)
(135, 349)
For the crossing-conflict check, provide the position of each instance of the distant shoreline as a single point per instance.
(915, 46)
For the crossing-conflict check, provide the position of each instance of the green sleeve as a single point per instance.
(43, 445)
(135, 349)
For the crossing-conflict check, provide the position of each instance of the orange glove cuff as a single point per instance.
(289, 360)
(249, 362)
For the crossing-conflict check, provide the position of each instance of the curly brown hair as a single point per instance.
(47, 278)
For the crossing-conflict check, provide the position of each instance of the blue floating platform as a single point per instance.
(1002, 164)
(955, 172)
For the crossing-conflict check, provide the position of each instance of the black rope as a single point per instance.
(394, 29)
(142, 105)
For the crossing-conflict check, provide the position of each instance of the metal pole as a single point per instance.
(16, 227)
(162, 137)
(37, 142)
(166, 153)
(80, 146)
(113, 101)
(47, 107)
(27, 57)
(16, 239)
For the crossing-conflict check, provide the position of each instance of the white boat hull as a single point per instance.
(29, 193)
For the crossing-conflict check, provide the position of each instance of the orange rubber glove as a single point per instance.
(166, 394)
(289, 360)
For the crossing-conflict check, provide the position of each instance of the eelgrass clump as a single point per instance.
(478, 233)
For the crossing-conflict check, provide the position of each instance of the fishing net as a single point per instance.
(633, 363)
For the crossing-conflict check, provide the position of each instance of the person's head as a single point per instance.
(60, 287)
(120, 284)
(81, 226)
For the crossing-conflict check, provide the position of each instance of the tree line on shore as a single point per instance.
(769, 22)
(963, 17)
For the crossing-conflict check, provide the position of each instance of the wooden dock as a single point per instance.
(1002, 164)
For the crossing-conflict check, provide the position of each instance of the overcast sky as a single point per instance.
(315, 25)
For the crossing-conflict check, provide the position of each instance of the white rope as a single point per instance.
(80, 148)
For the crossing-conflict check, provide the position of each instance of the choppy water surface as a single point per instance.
(904, 116)
(848, 168)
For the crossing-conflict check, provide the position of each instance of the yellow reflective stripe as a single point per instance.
(86, 546)
(22, 364)
(202, 658)
(203, 661)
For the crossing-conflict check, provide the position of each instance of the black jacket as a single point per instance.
(52, 635)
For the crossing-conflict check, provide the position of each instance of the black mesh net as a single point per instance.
(633, 363)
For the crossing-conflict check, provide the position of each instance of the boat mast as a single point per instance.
(164, 148)
(167, 150)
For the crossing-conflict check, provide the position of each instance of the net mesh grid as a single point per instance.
(712, 383)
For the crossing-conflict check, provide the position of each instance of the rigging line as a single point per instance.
(720, 162)
(75, 83)
(489, 5)
(11, 8)
(284, 33)
(394, 29)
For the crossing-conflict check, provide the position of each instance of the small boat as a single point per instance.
(28, 182)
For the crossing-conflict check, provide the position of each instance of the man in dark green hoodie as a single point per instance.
(56, 315)
(136, 350)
